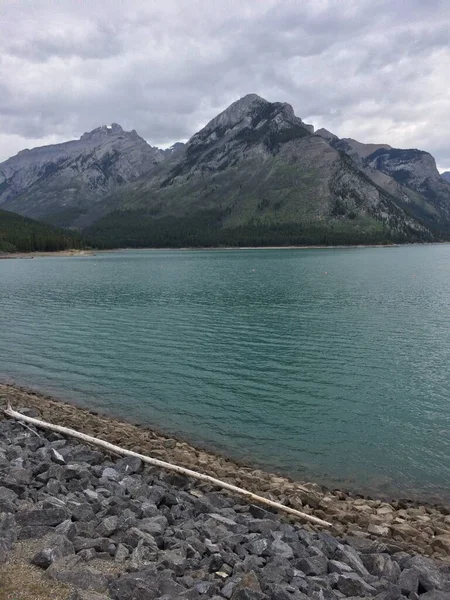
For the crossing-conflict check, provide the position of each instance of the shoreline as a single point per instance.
(29, 255)
(416, 526)
(94, 252)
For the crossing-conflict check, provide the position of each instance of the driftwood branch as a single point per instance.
(164, 465)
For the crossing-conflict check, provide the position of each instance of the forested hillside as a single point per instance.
(20, 234)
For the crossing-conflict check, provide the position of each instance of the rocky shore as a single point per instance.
(76, 523)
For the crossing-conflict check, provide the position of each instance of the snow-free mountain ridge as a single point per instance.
(255, 174)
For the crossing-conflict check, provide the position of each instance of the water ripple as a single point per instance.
(340, 378)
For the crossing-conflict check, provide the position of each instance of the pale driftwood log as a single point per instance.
(164, 465)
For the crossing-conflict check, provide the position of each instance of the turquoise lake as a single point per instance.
(328, 365)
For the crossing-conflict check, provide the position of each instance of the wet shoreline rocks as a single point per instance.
(107, 527)
(413, 526)
(112, 528)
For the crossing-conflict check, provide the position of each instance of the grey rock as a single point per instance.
(258, 546)
(349, 556)
(248, 582)
(81, 511)
(7, 494)
(264, 526)
(315, 565)
(42, 517)
(87, 554)
(66, 528)
(8, 531)
(280, 548)
(430, 578)
(149, 509)
(142, 585)
(108, 526)
(153, 525)
(335, 566)
(134, 535)
(7, 506)
(215, 563)
(91, 495)
(57, 457)
(140, 557)
(174, 560)
(353, 585)
(112, 474)
(129, 465)
(365, 545)
(169, 587)
(55, 548)
(258, 512)
(121, 554)
(435, 595)
(99, 544)
(381, 565)
(409, 581)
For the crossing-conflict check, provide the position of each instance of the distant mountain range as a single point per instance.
(446, 175)
(254, 175)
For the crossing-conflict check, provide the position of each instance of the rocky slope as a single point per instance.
(59, 183)
(411, 176)
(446, 175)
(255, 174)
(94, 524)
(258, 166)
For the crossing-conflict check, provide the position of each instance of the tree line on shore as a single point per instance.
(21, 234)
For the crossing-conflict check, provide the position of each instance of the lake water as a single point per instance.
(328, 365)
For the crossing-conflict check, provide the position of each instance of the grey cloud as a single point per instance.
(360, 68)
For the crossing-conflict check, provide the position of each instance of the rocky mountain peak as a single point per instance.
(249, 118)
(327, 135)
(102, 131)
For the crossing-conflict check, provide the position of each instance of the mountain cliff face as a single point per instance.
(253, 169)
(411, 176)
(59, 183)
(255, 174)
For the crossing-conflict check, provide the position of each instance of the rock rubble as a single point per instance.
(113, 528)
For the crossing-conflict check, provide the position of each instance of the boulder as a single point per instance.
(352, 584)
(430, 578)
(55, 548)
(108, 526)
(314, 565)
(49, 517)
(8, 531)
(409, 581)
(381, 565)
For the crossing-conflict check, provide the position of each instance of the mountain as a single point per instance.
(20, 234)
(256, 174)
(60, 183)
(409, 175)
(446, 175)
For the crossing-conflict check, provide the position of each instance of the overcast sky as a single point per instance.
(374, 70)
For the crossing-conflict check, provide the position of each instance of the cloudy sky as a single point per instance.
(375, 70)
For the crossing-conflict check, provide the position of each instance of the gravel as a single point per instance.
(112, 528)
